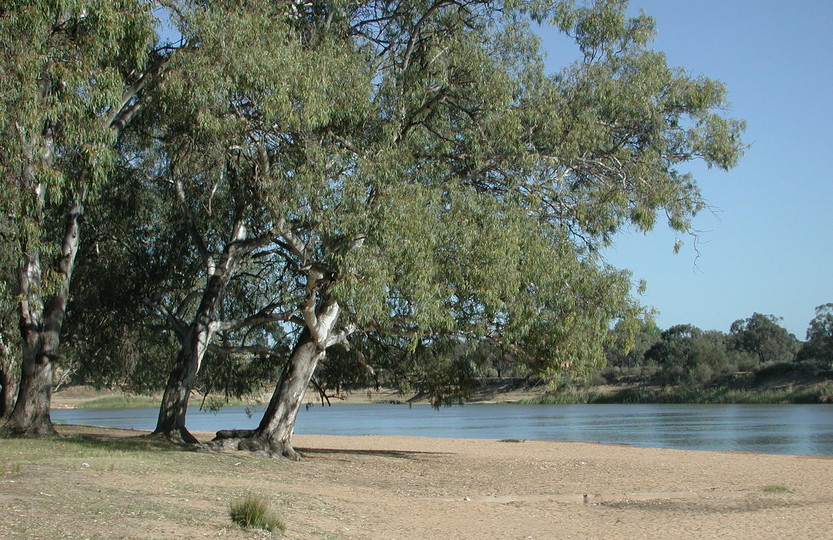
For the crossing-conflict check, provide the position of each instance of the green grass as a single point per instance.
(253, 512)
(140, 402)
(120, 402)
(13, 468)
(100, 485)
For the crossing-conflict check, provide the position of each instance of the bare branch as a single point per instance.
(254, 350)
(121, 114)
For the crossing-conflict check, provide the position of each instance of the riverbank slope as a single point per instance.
(100, 482)
(497, 391)
(779, 388)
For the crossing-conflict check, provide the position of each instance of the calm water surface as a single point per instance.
(775, 429)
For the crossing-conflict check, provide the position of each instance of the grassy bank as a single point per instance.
(820, 393)
(126, 401)
(113, 484)
(87, 397)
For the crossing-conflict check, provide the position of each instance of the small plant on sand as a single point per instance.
(252, 511)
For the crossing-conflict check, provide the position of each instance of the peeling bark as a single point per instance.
(6, 394)
(40, 330)
(183, 377)
(7, 383)
(273, 436)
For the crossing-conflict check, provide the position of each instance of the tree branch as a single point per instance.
(258, 318)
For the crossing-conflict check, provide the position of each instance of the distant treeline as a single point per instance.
(757, 361)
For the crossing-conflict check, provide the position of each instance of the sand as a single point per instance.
(376, 487)
(406, 487)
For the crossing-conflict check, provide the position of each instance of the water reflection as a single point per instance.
(780, 429)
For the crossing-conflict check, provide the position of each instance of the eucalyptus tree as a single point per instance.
(819, 344)
(132, 242)
(72, 75)
(763, 336)
(408, 168)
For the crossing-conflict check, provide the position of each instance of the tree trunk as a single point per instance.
(40, 330)
(171, 421)
(6, 380)
(198, 336)
(30, 416)
(273, 437)
(6, 392)
(183, 377)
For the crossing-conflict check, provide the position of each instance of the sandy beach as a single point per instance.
(375, 487)
(401, 487)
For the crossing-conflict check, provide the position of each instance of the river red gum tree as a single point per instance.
(420, 174)
(75, 77)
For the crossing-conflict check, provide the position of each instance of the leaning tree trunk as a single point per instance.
(273, 437)
(197, 338)
(183, 377)
(40, 330)
(171, 421)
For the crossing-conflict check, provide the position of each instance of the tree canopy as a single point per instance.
(401, 172)
(819, 344)
(763, 336)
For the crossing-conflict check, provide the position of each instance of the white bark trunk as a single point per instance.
(273, 436)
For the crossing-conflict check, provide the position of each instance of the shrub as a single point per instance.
(252, 511)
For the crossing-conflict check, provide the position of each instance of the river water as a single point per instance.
(774, 429)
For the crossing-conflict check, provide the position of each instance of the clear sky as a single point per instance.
(765, 246)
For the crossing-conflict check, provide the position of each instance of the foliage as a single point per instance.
(72, 75)
(442, 184)
(687, 394)
(409, 163)
(819, 344)
(65, 65)
(252, 511)
(627, 347)
(707, 367)
(762, 336)
(129, 250)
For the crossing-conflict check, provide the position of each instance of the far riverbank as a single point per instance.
(797, 388)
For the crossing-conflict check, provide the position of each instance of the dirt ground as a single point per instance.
(103, 483)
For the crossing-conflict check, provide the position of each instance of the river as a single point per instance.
(774, 429)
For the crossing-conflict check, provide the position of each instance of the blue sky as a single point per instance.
(766, 244)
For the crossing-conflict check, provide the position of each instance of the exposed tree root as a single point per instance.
(35, 429)
(177, 436)
(248, 440)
